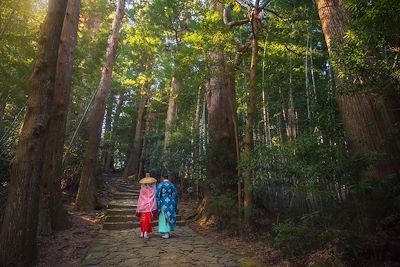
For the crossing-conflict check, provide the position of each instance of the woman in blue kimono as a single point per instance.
(167, 202)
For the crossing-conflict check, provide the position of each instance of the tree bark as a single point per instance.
(18, 232)
(109, 160)
(369, 120)
(265, 106)
(150, 117)
(132, 166)
(221, 106)
(107, 153)
(52, 215)
(196, 140)
(86, 197)
(221, 165)
(251, 105)
(169, 122)
(292, 128)
(172, 110)
(118, 110)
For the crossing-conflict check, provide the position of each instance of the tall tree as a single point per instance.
(18, 232)
(255, 12)
(172, 112)
(221, 108)
(132, 166)
(86, 197)
(172, 109)
(221, 168)
(52, 215)
(369, 120)
(107, 151)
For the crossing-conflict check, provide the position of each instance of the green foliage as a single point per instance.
(19, 25)
(305, 165)
(311, 180)
(303, 237)
(181, 148)
(370, 55)
(154, 154)
(224, 206)
(372, 220)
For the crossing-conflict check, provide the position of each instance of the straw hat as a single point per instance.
(147, 180)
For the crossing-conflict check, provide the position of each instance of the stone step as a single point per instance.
(131, 225)
(130, 195)
(128, 185)
(118, 225)
(127, 193)
(121, 206)
(128, 217)
(112, 212)
(122, 198)
(121, 218)
(126, 198)
(125, 189)
(155, 223)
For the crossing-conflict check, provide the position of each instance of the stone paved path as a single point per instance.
(184, 248)
(119, 244)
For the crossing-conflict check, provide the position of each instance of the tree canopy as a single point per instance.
(269, 113)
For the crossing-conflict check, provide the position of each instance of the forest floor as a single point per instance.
(69, 247)
(257, 252)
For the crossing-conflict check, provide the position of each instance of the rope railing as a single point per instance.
(65, 158)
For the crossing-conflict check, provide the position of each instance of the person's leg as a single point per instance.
(147, 225)
(142, 224)
(163, 225)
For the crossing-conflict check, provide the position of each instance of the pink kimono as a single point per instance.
(146, 207)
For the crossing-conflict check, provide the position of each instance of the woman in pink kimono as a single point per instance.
(146, 205)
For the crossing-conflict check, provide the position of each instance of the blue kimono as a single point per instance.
(167, 202)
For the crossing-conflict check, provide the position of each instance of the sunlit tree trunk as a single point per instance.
(150, 117)
(132, 166)
(266, 122)
(369, 120)
(172, 110)
(109, 160)
(221, 107)
(292, 120)
(107, 152)
(251, 106)
(86, 197)
(196, 140)
(118, 110)
(52, 215)
(142, 159)
(315, 98)
(169, 122)
(19, 228)
(307, 80)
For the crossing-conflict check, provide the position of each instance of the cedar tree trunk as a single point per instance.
(86, 197)
(52, 215)
(19, 228)
(132, 166)
(369, 120)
